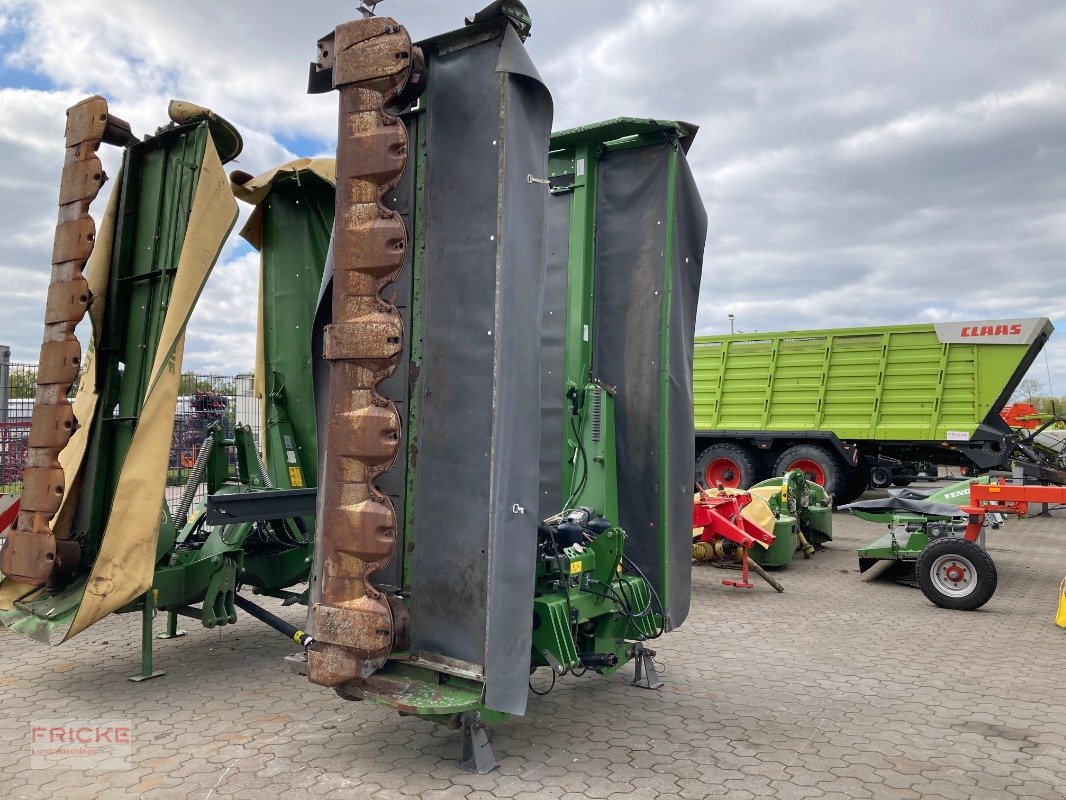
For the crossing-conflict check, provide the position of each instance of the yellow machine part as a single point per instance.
(1060, 616)
(709, 551)
(758, 512)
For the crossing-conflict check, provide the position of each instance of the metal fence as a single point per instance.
(203, 400)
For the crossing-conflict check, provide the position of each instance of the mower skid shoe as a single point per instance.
(30, 553)
(370, 63)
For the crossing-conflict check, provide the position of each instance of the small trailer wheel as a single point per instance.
(955, 573)
(880, 477)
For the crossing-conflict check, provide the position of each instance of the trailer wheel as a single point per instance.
(856, 482)
(880, 477)
(817, 463)
(905, 474)
(731, 465)
(956, 573)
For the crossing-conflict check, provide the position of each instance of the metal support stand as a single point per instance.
(644, 662)
(477, 752)
(147, 672)
(172, 631)
(745, 581)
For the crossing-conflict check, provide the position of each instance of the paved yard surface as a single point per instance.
(838, 688)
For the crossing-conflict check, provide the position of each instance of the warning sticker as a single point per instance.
(296, 477)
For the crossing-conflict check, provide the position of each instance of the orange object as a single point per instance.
(1021, 415)
(1006, 498)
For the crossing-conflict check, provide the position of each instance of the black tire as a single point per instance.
(880, 477)
(764, 463)
(905, 474)
(830, 467)
(856, 482)
(939, 556)
(745, 471)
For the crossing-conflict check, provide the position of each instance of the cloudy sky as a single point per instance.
(862, 162)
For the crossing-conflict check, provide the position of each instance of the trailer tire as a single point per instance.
(880, 477)
(856, 482)
(905, 474)
(957, 574)
(820, 466)
(732, 465)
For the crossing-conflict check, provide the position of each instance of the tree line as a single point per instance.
(1032, 391)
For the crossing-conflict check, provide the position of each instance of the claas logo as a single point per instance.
(991, 330)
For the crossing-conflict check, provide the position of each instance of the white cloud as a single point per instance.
(229, 318)
(861, 162)
(967, 120)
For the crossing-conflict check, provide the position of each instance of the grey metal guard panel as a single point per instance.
(690, 232)
(632, 294)
(553, 356)
(477, 472)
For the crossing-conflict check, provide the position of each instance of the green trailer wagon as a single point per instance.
(837, 403)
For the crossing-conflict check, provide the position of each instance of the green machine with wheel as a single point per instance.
(803, 514)
(924, 545)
